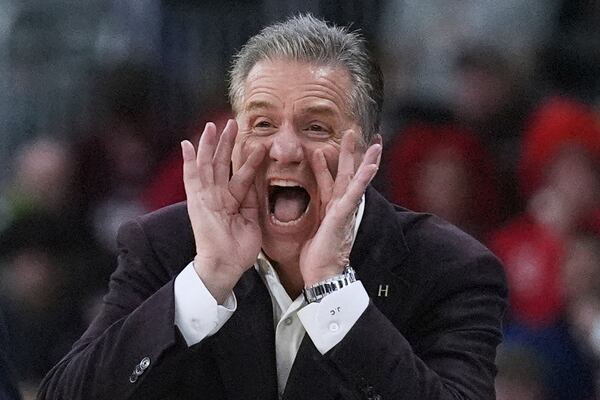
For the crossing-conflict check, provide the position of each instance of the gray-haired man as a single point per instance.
(284, 278)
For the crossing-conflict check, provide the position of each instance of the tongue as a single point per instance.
(288, 207)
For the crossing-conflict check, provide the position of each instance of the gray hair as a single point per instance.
(305, 38)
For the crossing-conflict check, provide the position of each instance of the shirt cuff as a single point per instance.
(197, 314)
(328, 321)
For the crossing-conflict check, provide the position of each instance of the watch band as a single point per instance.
(321, 289)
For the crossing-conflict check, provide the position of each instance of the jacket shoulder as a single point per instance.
(167, 232)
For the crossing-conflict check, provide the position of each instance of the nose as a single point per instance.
(286, 146)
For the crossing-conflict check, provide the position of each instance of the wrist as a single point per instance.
(318, 275)
(219, 281)
(315, 292)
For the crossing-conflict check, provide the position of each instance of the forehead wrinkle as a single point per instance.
(344, 81)
(262, 103)
(324, 83)
(320, 88)
(313, 102)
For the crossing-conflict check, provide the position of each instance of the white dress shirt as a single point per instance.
(197, 314)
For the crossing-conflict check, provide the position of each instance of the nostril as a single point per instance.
(286, 149)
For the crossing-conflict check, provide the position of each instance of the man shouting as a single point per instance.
(284, 275)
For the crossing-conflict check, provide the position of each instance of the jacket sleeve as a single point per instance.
(452, 347)
(132, 345)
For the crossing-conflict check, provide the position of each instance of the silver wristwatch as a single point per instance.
(321, 289)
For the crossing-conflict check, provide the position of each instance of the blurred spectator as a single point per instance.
(559, 176)
(445, 170)
(420, 40)
(567, 372)
(567, 346)
(494, 98)
(552, 271)
(42, 181)
(115, 162)
(532, 255)
(556, 124)
(49, 265)
(166, 184)
(570, 62)
(8, 389)
(581, 278)
(491, 96)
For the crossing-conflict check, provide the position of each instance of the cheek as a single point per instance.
(244, 146)
(332, 155)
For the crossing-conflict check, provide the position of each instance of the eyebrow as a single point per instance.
(258, 105)
(319, 109)
(323, 110)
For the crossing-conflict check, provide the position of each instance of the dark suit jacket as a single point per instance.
(430, 330)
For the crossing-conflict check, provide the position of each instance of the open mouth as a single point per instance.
(288, 202)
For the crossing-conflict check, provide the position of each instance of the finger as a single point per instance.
(243, 178)
(249, 207)
(222, 157)
(345, 170)
(379, 140)
(323, 176)
(364, 175)
(191, 177)
(372, 155)
(206, 149)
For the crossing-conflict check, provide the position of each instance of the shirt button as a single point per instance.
(196, 324)
(333, 327)
(287, 321)
(138, 370)
(133, 378)
(145, 363)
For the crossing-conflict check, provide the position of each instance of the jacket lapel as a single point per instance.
(379, 251)
(376, 256)
(245, 345)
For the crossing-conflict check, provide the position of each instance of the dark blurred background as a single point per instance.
(491, 121)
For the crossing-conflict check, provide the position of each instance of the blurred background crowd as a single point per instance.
(491, 121)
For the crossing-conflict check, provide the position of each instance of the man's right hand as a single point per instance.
(223, 211)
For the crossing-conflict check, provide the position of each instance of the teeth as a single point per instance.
(275, 221)
(284, 183)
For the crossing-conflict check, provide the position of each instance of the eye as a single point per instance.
(318, 129)
(263, 126)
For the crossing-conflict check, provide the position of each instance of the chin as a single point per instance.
(283, 244)
(282, 252)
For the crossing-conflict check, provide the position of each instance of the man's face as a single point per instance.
(292, 109)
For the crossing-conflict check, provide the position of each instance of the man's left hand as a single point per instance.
(328, 251)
